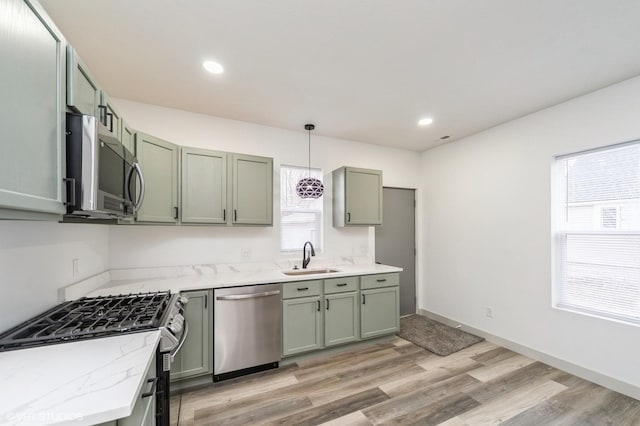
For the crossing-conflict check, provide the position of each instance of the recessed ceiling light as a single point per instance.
(425, 121)
(213, 67)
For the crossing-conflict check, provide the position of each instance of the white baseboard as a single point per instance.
(593, 376)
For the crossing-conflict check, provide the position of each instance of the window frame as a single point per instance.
(560, 235)
(319, 245)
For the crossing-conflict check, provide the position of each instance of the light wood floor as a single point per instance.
(400, 383)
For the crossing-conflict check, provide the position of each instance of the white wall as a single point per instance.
(486, 238)
(161, 245)
(36, 260)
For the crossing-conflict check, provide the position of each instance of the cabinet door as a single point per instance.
(128, 135)
(379, 312)
(111, 117)
(83, 92)
(143, 403)
(363, 196)
(159, 162)
(341, 318)
(204, 186)
(301, 325)
(252, 190)
(32, 109)
(196, 356)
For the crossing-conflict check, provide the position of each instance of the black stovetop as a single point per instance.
(88, 318)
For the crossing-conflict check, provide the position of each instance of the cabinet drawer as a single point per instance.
(379, 280)
(301, 289)
(339, 285)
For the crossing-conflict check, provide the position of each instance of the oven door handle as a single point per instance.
(248, 295)
(175, 351)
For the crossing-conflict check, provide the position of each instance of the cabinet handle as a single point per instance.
(341, 284)
(318, 305)
(206, 300)
(110, 115)
(235, 215)
(364, 300)
(103, 110)
(152, 390)
(382, 280)
(175, 212)
(327, 300)
(71, 192)
(348, 217)
(224, 215)
(303, 288)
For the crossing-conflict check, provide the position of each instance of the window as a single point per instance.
(300, 220)
(598, 232)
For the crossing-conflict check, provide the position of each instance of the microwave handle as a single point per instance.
(138, 170)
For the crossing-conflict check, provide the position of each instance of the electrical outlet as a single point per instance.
(488, 311)
(76, 267)
(245, 254)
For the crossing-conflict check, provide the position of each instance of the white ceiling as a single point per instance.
(363, 70)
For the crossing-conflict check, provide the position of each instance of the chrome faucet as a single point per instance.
(306, 259)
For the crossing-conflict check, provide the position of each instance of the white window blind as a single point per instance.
(300, 220)
(598, 232)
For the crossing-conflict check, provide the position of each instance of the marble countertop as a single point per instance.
(211, 279)
(79, 383)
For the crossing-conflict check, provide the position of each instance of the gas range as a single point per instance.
(103, 316)
(97, 317)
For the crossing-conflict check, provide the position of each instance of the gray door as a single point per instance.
(396, 242)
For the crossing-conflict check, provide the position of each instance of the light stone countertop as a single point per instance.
(97, 380)
(212, 279)
(79, 383)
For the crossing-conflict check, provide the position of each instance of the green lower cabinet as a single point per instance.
(196, 356)
(379, 312)
(301, 325)
(341, 319)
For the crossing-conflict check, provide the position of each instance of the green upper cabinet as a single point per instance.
(128, 136)
(31, 113)
(204, 186)
(196, 356)
(252, 194)
(159, 162)
(357, 197)
(111, 118)
(83, 92)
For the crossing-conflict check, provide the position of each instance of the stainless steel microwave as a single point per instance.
(104, 179)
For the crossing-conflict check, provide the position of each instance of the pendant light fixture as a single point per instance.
(309, 188)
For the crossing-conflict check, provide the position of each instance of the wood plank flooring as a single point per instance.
(400, 383)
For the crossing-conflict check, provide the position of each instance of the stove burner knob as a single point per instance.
(183, 300)
(175, 328)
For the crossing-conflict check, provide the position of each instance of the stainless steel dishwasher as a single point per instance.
(247, 330)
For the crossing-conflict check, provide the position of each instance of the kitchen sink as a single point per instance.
(297, 272)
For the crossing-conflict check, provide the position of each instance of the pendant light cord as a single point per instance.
(309, 131)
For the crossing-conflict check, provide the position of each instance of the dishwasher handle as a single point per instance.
(248, 295)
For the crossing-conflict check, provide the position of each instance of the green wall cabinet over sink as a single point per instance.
(32, 113)
(357, 197)
(159, 162)
(196, 356)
